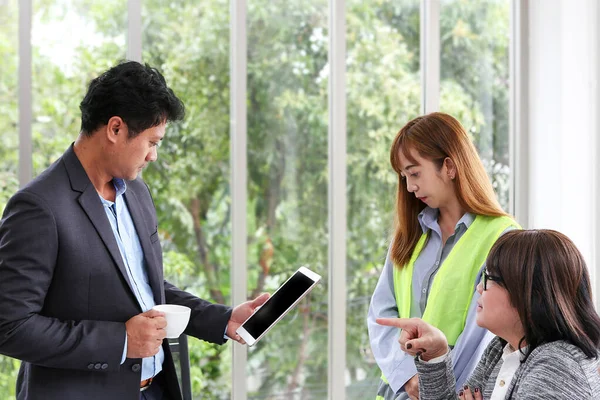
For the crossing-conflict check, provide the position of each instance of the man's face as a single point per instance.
(135, 154)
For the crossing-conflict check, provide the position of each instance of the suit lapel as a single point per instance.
(154, 273)
(91, 204)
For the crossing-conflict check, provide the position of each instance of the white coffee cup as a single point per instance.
(177, 318)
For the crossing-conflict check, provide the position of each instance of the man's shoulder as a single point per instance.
(51, 181)
(49, 191)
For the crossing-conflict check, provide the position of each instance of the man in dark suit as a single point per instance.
(81, 260)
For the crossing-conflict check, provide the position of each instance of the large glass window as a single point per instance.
(287, 215)
(287, 189)
(383, 94)
(474, 73)
(189, 44)
(9, 144)
(9, 98)
(72, 42)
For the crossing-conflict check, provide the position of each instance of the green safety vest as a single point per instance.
(452, 289)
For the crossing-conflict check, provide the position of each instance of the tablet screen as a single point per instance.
(277, 304)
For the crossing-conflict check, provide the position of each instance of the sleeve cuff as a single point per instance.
(124, 350)
(436, 360)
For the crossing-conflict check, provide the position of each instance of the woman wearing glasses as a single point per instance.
(447, 219)
(536, 297)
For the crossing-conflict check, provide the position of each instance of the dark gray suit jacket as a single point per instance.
(65, 295)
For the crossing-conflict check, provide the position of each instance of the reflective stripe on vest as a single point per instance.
(453, 285)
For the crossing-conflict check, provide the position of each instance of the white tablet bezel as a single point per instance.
(248, 338)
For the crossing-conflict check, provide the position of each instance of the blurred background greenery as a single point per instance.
(75, 40)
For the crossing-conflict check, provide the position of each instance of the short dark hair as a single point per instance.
(549, 285)
(137, 93)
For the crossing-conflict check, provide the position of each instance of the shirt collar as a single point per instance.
(429, 216)
(509, 353)
(120, 186)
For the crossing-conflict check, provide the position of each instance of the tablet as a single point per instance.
(279, 304)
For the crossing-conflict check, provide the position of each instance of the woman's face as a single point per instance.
(496, 313)
(433, 186)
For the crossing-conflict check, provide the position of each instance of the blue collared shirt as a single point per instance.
(135, 264)
(397, 366)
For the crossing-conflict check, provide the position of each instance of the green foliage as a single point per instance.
(9, 151)
(9, 368)
(474, 68)
(287, 151)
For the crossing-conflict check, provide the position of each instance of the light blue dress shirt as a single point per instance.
(397, 366)
(135, 264)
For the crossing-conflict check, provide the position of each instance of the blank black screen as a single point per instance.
(277, 304)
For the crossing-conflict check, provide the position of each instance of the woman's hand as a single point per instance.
(418, 337)
(466, 394)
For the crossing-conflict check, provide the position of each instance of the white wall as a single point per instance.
(563, 124)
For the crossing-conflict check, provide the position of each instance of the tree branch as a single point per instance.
(197, 211)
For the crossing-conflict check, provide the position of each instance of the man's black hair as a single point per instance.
(137, 93)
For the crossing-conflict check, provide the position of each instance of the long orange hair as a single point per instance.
(437, 136)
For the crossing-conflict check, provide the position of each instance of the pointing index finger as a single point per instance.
(402, 323)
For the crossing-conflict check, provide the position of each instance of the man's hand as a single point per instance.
(412, 388)
(241, 314)
(418, 337)
(145, 333)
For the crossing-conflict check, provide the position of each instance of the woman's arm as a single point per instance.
(396, 365)
(428, 343)
(437, 381)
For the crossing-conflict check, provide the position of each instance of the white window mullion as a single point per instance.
(430, 56)
(519, 111)
(337, 200)
(25, 93)
(238, 184)
(134, 30)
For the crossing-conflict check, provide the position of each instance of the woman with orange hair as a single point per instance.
(447, 220)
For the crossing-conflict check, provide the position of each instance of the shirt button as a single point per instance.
(104, 366)
(135, 367)
(91, 366)
(502, 383)
(97, 366)
(424, 290)
(437, 263)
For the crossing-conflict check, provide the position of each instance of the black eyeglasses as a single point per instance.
(487, 278)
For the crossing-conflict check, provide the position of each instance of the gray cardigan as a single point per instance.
(557, 370)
